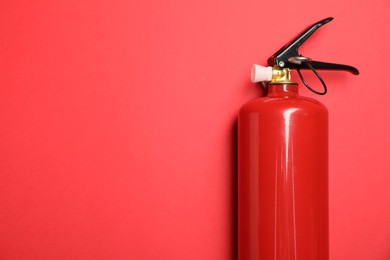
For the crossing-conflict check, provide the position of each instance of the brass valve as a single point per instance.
(280, 75)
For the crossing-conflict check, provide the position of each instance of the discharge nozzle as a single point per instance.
(261, 73)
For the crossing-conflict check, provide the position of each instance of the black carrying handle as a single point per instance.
(313, 65)
(282, 56)
(289, 57)
(319, 65)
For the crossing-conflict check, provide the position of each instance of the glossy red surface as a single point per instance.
(283, 177)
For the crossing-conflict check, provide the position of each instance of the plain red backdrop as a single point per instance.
(118, 123)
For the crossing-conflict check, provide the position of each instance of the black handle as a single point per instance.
(329, 66)
(282, 57)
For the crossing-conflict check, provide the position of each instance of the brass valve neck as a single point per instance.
(281, 76)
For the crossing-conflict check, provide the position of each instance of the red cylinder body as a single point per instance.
(283, 177)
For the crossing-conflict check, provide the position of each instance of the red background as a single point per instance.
(118, 123)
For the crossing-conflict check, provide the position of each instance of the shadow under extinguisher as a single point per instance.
(234, 189)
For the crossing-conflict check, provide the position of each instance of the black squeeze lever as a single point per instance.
(289, 57)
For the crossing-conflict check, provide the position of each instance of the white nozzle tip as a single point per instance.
(261, 73)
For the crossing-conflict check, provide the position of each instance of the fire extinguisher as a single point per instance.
(283, 162)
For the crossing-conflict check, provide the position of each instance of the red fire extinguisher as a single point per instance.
(283, 162)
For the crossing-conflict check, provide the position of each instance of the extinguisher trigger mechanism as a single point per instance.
(288, 57)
